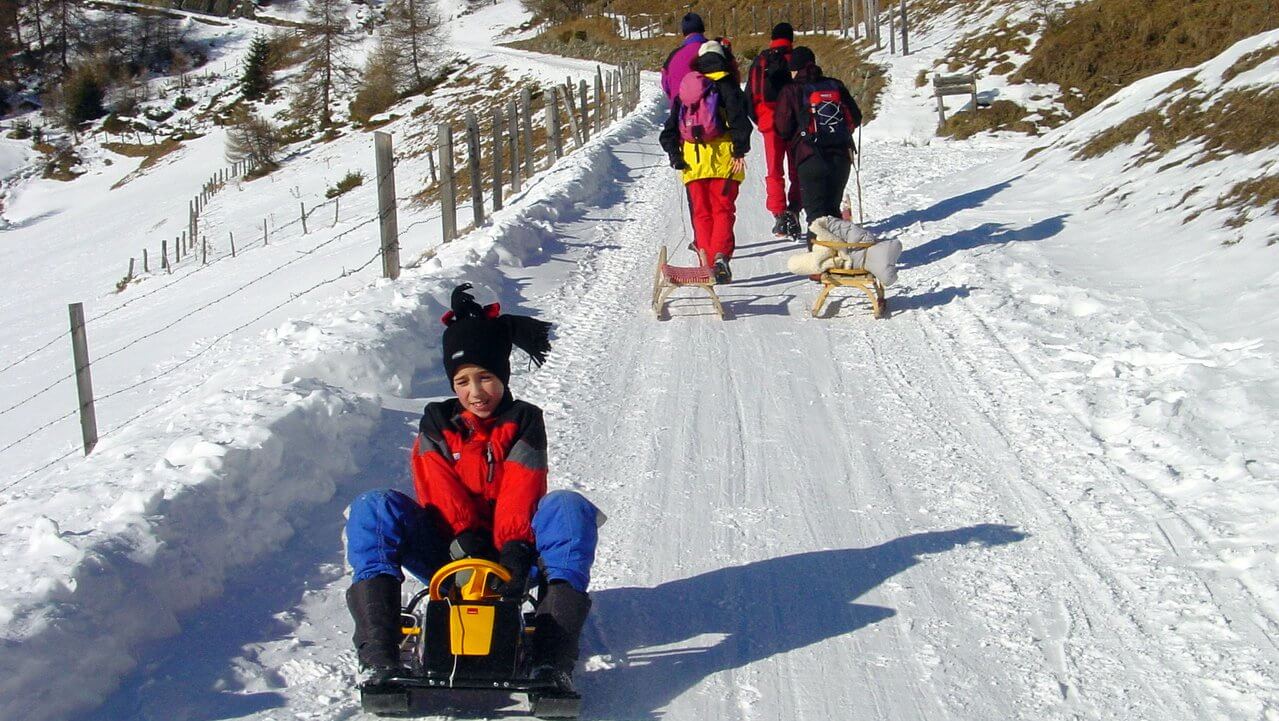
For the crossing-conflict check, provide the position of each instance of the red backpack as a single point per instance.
(769, 75)
(830, 122)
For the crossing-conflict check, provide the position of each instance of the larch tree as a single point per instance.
(413, 31)
(326, 45)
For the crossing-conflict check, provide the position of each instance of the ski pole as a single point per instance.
(857, 165)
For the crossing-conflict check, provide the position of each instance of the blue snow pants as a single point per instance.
(388, 533)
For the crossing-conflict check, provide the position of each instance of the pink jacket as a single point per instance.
(679, 64)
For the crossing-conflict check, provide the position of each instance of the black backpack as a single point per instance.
(771, 75)
(829, 125)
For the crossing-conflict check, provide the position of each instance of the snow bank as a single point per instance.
(163, 514)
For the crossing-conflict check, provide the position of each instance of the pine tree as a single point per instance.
(256, 79)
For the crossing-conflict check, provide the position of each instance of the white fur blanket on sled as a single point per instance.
(880, 259)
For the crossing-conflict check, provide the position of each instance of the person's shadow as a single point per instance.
(739, 615)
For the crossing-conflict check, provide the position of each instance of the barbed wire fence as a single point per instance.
(520, 148)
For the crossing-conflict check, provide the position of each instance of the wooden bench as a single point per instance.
(944, 85)
(859, 278)
(669, 277)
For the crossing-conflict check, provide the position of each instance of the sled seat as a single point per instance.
(669, 277)
(859, 278)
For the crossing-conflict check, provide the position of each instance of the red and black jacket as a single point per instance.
(768, 74)
(792, 110)
(482, 473)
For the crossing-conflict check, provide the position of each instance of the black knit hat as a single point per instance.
(692, 23)
(482, 336)
(783, 31)
(801, 57)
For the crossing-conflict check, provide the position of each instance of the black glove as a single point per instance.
(518, 558)
(471, 544)
(677, 162)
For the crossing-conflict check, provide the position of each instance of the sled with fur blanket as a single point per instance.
(669, 277)
(845, 255)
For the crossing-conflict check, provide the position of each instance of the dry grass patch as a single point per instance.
(596, 38)
(1250, 61)
(1001, 115)
(150, 154)
(991, 50)
(1256, 193)
(59, 162)
(1235, 122)
(1102, 46)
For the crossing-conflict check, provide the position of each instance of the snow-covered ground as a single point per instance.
(1037, 491)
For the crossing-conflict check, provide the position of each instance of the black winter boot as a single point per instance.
(559, 621)
(375, 605)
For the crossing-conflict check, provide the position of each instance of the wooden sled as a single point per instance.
(669, 277)
(859, 278)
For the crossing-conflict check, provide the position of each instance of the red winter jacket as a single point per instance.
(482, 473)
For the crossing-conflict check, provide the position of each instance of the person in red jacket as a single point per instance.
(768, 74)
(817, 116)
(479, 476)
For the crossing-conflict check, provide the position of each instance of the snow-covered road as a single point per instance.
(809, 518)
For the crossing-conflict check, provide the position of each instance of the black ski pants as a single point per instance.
(822, 178)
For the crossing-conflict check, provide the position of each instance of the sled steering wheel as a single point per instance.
(474, 588)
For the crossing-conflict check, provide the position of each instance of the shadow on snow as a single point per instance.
(758, 610)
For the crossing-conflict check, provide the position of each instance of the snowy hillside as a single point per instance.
(1043, 489)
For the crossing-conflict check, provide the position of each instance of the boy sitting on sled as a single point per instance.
(479, 473)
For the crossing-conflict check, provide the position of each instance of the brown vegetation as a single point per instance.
(1104, 45)
(995, 46)
(1250, 61)
(150, 154)
(596, 38)
(1001, 115)
(1234, 122)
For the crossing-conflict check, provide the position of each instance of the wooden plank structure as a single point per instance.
(859, 278)
(944, 85)
(669, 277)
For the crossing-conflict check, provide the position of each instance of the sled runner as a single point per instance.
(466, 637)
(669, 277)
(859, 278)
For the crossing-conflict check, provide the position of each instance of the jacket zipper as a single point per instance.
(488, 460)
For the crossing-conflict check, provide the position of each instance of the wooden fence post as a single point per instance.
(264, 237)
(601, 102)
(146, 267)
(204, 250)
(386, 211)
(905, 30)
(526, 110)
(83, 379)
(473, 164)
(586, 119)
(448, 193)
(302, 211)
(513, 142)
(553, 124)
(892, 33)
(337, 206)
(498, 147)
(232, 235)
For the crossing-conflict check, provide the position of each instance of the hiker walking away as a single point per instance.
(817, 115)
(707, 137)
(680, 61)
(768, 74)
